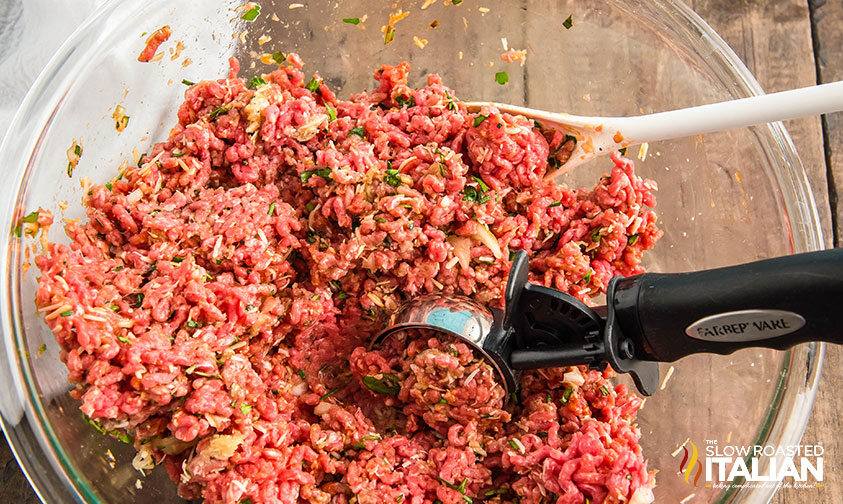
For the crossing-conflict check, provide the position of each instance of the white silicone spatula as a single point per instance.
(597, 136)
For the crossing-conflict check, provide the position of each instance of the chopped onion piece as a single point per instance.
(573, 378)
(488, 239)
(462, 249)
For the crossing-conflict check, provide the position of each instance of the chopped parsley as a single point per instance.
(30, 217)
(187, 82)
(354, 21)
(587, 277)
(66, 313)
(312, 85)
(389, 385)
(123, 339)
(392, 178)
(389, 35)
(568, 23)
(301, 373)
(566, 396)
(359, 131)
(442, 400)
(479, 120)
(554, 204)
(401, 101)
(605, 391)
(177, 154)
(459, 488)
(622, 151)
(501, 78)
(178, 259)
(633, 239)
(252, 13)
(139, 300)
(255, 82)
(245, 408)
(456, 2)
(325, 173)
(595, 234)
(271, 208)
(223, 109)
(332, 113)
(192, 324)
(279, 57)
(329, 394)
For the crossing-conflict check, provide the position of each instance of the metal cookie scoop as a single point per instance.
(649, 318)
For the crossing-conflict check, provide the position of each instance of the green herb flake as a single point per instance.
(139, 300)
(604, 390)
(375, 437)
(514, 445)
(252, 13)
(42, 349)
(568, 23)
(302, 375)
(254, 82)
(587, 277)
(93, 423)
(392, 178)
(409, 102)
(469, 193)
(329, 394)
(245, 408)
(332, 113)
(388, 386)
(566, 396)
(315, 297)
(633, 239)
(501, 78)
(629, 476)
(192, 324)
(497, 491)
(271, 208)
(223, 109)
(77, 150)
(456, 2)
(310, 206)
(480, 182)
(187, 82)
(247, 500)
(479, 120)
(279, 57)
(442, 400)
(554, 204)
(359, 445)
(354, 21)
(595, 234)
(177, 259)
(66, 313)
(389, 35)
(31, 217)
(325, 173)
(312, 85)
(359, 131)
(118, 268)
(123, 339)
(109, 186)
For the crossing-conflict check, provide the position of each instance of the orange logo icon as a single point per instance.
(690, 462)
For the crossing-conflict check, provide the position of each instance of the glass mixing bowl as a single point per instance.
(725, 198)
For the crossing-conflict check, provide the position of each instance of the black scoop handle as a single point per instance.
(774, 303)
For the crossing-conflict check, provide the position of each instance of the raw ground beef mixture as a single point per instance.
(216, 306)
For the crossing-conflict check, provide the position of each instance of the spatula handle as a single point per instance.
(774, 303)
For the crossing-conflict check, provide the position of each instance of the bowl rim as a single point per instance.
(22, 416)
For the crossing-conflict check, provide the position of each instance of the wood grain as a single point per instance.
(774, 39)
(827, 18)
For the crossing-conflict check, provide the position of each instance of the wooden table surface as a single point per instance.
(785, 44)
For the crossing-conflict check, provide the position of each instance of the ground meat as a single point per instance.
(157, 38)
(215, 307)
